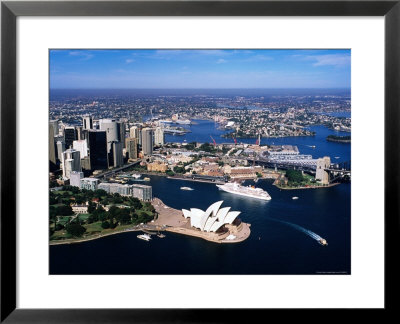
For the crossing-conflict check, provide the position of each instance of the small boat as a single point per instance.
(145, 237)
(186, 188)
(323, 242)
(146, 179)
(136, 176)
(295, 197)
(161, 235)
(337, 157)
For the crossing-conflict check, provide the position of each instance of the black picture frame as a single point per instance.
(10, 10)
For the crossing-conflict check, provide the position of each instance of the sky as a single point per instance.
(203, 69)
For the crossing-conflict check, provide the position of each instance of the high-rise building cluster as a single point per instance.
(99, 145)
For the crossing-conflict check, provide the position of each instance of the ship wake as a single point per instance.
(299, 228)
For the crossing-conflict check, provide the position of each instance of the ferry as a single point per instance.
(295, 197)
(145, 237)
(187, 188)
(136, 176)
(322, 242)
(250, 191)
(146, 179)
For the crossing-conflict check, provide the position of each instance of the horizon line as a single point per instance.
(281, 88)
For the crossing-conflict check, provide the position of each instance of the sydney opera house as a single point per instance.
(213, 219)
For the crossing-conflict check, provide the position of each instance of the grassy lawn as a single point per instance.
(63, 219)
(58, 235)
(94, 227)
(61, 192)
(84, 217)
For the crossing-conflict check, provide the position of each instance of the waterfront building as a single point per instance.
(157, 167)
(211, 220)
(70, 135)
(81, 146)
(75, 178)
(111, 129)
(321, 174)
(131, 145)
(97, 143)
(90, 183)
(283, 150)
(159, 138)
(71, 161)
(141, 192)
(147, 141)
(111, 188)
(87, 122)
(243, 172)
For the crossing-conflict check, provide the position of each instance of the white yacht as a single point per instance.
(145, 237)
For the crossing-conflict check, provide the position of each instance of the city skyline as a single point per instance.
(199, 69)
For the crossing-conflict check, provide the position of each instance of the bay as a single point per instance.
(274, 247)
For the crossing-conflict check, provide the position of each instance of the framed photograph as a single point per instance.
(162, 159)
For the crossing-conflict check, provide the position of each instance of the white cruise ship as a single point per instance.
(249, 191)
(183, 121)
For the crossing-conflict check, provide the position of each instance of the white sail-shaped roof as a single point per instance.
(211, 219)
(196, 217)
(186, 213)
(231, 217)
(213, 209)
(220, 217)
(216, 226)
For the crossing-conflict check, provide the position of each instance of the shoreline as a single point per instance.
(178, 225)
(310, 187)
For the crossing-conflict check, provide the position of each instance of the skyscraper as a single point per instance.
(54, 125)
(71, 161)
(52, 147)
(136, 132)
(147, 141)
(159, 136)
(131, 147)
(97, 144)
(81, 146)
(87, 122)
(60, 145)
(111, 129)
(70, 135)
(115, 157)
(121, 132)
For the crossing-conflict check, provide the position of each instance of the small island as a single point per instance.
(338, 139)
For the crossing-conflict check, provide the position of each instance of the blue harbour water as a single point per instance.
(274, 247)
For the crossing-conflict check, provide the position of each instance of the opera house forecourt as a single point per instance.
(216, 224)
